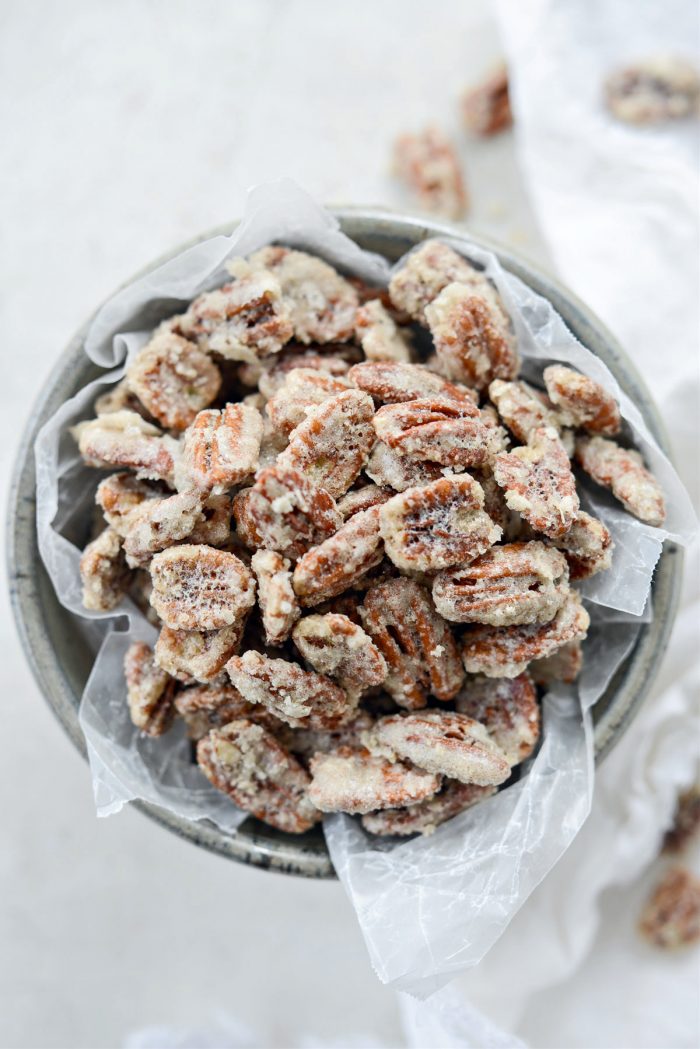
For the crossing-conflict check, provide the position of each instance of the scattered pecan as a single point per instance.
(104, 572)
(427, 163)
(355, 781)
(339, 562)
(486, 107)
(582, 401)
(150, 691)
(671, 917)
(276, 597)
(538, 482)
(173, 379)
(508, 710)
(663, 87)
(622, 470)
(200, 588)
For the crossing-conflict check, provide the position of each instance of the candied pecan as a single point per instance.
(508, 710)
(104, 572)
(425, 272)
(271, 374)
(379, 335)
(445, 743)
(220, 449)
(623, 471)
(588, 546)
(302, 389)
(425, 816)
(243, 320)
(472, 335)
(438, 525)
(283, 511)
(486, 107)
(389, 468)
(205, 707)
(332, 444)
(582, 401)
(124, 439)
(522, 408)
(119, 398)
(158, 524)
(362, 499)
(427, 163)
(197, 655)
(150, 691)
(686, 821)
(214, 526)
(301, 698)
(276, 597)
(339, 562)
(659, 88)
(453, 433)
(506, 651)
(355, 781)
(246, 762)
(200, 588)
(508, 585)
(173, 379)
(538, 482)
(321, 303)
(495, 505)
(305, 742)
(119, 495)
(563, 665)
(416, 643)
(393, 382)
(335, 646)
(671, 917)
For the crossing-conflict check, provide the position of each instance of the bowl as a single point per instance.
(58, 647)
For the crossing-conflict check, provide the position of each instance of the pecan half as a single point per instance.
(173, 379)
(427, 163)
(393, 383)
(125, 440)
(563, 665)
(119, 495)
(355, 781)
(220, 449)
(486, 107)
(659, 88)
(276, 597)
(379, 335)
(302, 389)
(333, 645)
(508, 710)
(424, 273)
(158, 524)
(442, 431)
(538, 482)
(339, 562)
(104, 572)
(425, 816)
(587, 546)
(197, 655)
(522, 408)
(149, 691)
(671, 918)
(200, 588)
(582, 401)
(387, 467)
(624, 473)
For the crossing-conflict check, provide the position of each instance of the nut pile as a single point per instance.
(357, 542)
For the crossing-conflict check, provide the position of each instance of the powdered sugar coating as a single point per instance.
(173, 379)
(427, 163)
(200, 588)
(125, 440)
(333, 645)
(582, 401)
(439, 430)
(339, 562)
(522, 408)
(538, 482)
(220, 449)
(104, 572)
(150, 691)
(622, 470)
(425, 816)
(302, 389)
(508, 710)
(355, 781)
(278, 602)
(379, 335)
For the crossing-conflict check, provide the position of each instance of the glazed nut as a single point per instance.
(624, 473)
(125, 440)
(508, 710)
(173, 379)
(424, 274)
(209, 706)
(392, 470)
(427, 163)
(445, 743)
(582, 401)
(104, 572)
(220, 449)
(437, 526)
(426, 816)
(341, 561)
(305, 742)
(158, 524)
(119, 495)
(363, 498)
(508, 585)
(522, 408)
(197, 655)
(587, 546)
(278, 603)
(302, 389)
(442, 431)
(392, 383)
(378, 334)
(538, 482)
(655, 89)
(200, 588)
(150, 691)
(335, 646)
(245, 761)
(355, 781)
(671, 917)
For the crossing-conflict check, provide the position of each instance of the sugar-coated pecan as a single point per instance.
(522, 408)
(452, 433)
(353, 780)
(486, 107)
(508, 710)
(197, 655)
(276, 597)
(582, 401)
(173, 379)
(364, 498)
(686, 821)
(214, 525)
(321, 303)
(496, 506)
(270, 374)
(332, 444)
(158, 524)
(246, 762)
(200, 588)
(119, 495)
(508, 585)
(622, 470)
(538, 482)
(220, 449)
(379, 335)
(333, 645)
(428, 165)
(563, 665)
(437, 526)
(446, 743)
(426, 816)
(662, 87)
(472, 335)
(507, 650)
(416, 643)
(120, 398)
(393, 382)
(671, 917)
(389, 468)
(301, 698)
(243, 320)
(302, 389)
(125, 440)
(104, 572)
(149, 690)
(205, 707)
(284, 511)
(587, 546)
(339, 562)
(423, 275)
(305, 742)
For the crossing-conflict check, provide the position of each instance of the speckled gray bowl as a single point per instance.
(61, 655)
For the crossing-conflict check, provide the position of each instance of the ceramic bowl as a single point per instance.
(60, 653)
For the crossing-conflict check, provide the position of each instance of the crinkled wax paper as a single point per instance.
(432, 906)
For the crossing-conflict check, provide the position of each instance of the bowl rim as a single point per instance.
(295, 856)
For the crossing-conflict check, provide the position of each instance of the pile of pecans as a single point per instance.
(357, 542)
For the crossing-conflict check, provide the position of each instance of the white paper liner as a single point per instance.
(431, 906)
